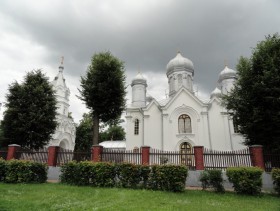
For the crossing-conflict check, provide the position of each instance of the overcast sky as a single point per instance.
(145, 34)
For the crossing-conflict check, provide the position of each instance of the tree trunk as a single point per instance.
(95, 129)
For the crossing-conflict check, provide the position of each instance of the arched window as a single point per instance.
(184, 124)
(136, 127)
(186, 153)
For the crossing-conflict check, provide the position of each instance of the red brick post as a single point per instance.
(256, 152)
(198, 157)
(52, 155)
(96, 153)
(12, 149)
(145, 150)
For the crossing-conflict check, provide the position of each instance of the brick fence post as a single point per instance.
(198, 157)
(96, 153)
(145, 151)
(52, 155)
(12, 150)
(256, 152)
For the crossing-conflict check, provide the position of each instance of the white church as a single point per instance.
(65, 133)
(183, 120)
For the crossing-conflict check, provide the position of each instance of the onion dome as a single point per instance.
(227, 73)
(179, 63)
(139, 79)
(216, 93)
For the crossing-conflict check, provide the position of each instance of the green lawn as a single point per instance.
(63, 197)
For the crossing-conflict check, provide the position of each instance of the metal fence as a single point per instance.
(271, 161)
(3, 154)
(214, 159)
(66, 155)
(121, 156)
(40, 156)
(161, 157)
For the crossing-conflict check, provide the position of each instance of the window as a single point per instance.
(184, 124)
(180, 80)
(186, 151)
(136, 127)
(236, 128)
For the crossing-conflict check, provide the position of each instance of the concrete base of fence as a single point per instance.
(192, 179)
(53, 173)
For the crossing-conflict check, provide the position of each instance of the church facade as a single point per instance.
(182, 120)
(65, 133)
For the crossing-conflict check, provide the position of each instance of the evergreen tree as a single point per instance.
(103, 90)
(29, 119)
(254, 102)
(84, 134)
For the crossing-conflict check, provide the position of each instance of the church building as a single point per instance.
(65, 133)
(183, 120)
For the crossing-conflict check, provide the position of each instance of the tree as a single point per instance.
(114, 132)
(103, 89)
(84, 134)
(254, 103)
(29, 119)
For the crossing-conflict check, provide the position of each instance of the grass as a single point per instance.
(63, 197)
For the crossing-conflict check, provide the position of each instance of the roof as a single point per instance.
(113, 144)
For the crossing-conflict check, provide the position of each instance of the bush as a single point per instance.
(103, 174)
(214, 179)
(246, 180)
(167, 177)
(276, 179)
(21, 171)
(2, 169)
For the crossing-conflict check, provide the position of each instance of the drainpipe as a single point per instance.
(209, 132)
(142, 112)
(161, 130)
(230, 138)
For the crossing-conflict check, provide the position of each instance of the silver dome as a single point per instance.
(179, 63)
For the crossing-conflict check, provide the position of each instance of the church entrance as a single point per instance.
(186, 151)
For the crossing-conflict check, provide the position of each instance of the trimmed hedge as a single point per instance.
(246, 180)
(276, 179)
(21, 171)
(212, 178)
(167, 177)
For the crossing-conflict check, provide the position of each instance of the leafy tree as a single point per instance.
(103, 89)
(29, 119)
(254, 102)
(84, 134)
(114, 132)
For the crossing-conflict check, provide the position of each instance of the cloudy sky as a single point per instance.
(145, 34)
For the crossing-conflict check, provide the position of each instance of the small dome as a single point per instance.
(179, 63)
(226, 74)
(216, 93)
(139, 79)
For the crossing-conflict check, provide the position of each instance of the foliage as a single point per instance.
(114, 132)
(103, 89)
(254, 102)
(246, 180)
(276, 179)
(84, 134)
(168, 177)
(212, 178)
(20, 171)
(2, 169)
(29, 119)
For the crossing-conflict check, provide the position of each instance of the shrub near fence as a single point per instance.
(276, 179)
(246, 180)
(18, 171)
(168, 177)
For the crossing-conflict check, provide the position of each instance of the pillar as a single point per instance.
(12, 150)
(198, 157)
(52, 155)
(145, 150)
(96, 153)
(256, 152)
